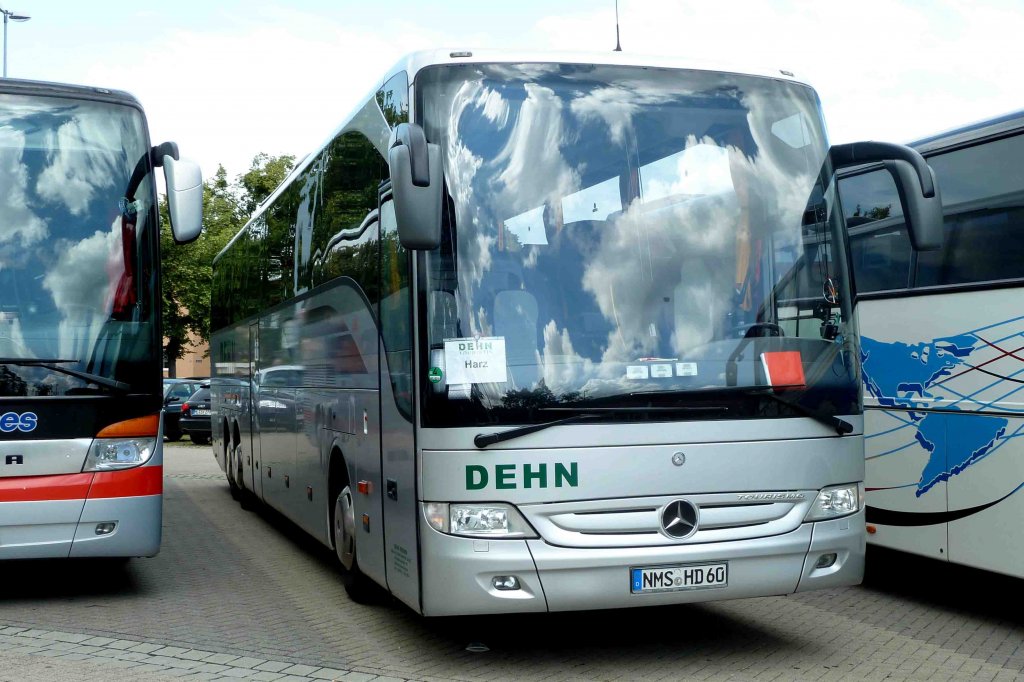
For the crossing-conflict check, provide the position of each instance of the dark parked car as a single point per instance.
(176, 391)
(195, 416)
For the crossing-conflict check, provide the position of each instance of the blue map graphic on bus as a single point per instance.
(955, 374)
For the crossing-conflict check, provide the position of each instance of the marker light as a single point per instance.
(493, 520)
(836, 501)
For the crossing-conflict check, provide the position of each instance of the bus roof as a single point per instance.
(48, 89)
(972, 131)
(414, 62)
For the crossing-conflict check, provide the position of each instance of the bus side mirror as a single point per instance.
(416, 181)
(916, 184)
(923, 214)
(184, 198)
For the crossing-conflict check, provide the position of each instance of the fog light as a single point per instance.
(506, 582)
(105, 528)
(825, 560)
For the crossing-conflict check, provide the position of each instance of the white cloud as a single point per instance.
(19, 221)
(81, 284)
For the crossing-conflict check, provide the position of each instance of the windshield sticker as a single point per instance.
(528, 227)
(686, 369)
(435, 375)
(661, 371)
(637, 372)
(475, 361)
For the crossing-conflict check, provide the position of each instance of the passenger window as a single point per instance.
(344, 238)
(393, 99)
(396, 310)
(983, 202)
(881, 258)
(879, 245)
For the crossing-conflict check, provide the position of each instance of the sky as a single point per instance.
(227, 79)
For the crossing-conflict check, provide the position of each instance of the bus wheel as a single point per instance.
(229, 471)
(244, 496)
(360, 588)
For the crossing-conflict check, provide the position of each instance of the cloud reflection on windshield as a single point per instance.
(704, 182)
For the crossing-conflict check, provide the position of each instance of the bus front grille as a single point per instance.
(722, 517)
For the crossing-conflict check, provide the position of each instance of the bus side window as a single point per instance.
(352, 173)
(983, 204)
(396, 310)
(878, 235)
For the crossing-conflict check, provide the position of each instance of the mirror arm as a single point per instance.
(856, 153)
(413, 138)
(158, 153)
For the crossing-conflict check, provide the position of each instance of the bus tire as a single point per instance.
(244, 498)
(229, 471)
(360, 588)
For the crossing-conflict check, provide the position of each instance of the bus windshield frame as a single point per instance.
(631, 237)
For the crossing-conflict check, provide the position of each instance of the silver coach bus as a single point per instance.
(552, 332)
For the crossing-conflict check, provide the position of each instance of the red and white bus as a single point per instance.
(81, 464)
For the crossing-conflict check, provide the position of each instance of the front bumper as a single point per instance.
(457, 572)
(67, 528)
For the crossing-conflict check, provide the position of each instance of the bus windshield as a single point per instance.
(615, 233)
(78, 244)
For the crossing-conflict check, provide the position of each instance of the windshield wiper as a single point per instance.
(841, 426)
(51, 364)
(482, 440)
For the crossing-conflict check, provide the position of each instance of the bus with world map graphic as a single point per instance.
(942, 343)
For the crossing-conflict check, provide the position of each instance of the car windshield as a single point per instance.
(78, 239)
(614, 231)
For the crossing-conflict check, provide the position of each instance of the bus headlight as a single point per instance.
(492, 520)
(107, 454)
(836, 501)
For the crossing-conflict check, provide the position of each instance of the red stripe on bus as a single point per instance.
(128, 483)
(43, 488)
(104, 484)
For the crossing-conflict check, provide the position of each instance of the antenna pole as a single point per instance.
(618, 46)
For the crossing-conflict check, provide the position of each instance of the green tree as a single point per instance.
(262, 178)
(187, 269)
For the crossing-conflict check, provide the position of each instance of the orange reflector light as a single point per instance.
(871, 529)
(132, 428)
(364, 487)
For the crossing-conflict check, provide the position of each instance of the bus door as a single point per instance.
(398, 447)
(251, 463)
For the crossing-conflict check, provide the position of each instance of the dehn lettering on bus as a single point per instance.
(509, 477)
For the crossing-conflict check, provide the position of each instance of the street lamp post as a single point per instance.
(8, 14)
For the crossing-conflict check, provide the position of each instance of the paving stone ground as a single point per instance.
(242, 595)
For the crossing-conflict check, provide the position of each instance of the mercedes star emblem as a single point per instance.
(679, 519)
